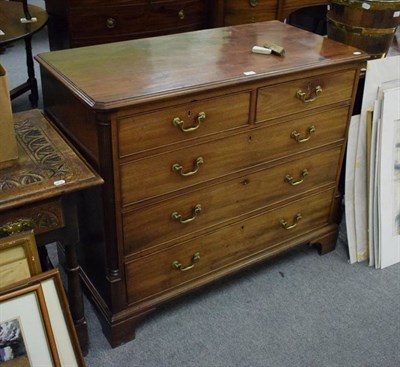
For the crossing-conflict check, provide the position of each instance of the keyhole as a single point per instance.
(250, 138)
(189, 113)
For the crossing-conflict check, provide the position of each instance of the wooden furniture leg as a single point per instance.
(75, 296)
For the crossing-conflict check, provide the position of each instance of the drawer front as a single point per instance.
(94, 3)
(239, 11)
(111, 21)
(303, 95)
(180, 123)
(41, 217)
(155, 225)
(155, 176)
(154, 274)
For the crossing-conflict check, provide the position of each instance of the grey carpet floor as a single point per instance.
(300, 309)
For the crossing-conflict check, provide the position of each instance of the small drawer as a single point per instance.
(151, 275)
(41, 217)
(183, 168)
(109, 21)
(303, 95)
(183, 122)
(156, 225)
(251, 11)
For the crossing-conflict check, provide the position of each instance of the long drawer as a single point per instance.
(303, 95)
(172, 171)
(162, 271)
(182, 122)
(154, 226)
(117, 21)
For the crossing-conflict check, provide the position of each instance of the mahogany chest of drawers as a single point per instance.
(214, 158)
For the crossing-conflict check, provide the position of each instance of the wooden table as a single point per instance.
(13, 29)
(41, 192)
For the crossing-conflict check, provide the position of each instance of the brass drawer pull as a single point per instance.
(311, 97)
(253, 2)
(286, 225)
(291, 181)
(178, 266)
(111, 23)
(179, 123)
(296, 135)
(178, 168)
(181, 14)
(18, 226)
(196, 211)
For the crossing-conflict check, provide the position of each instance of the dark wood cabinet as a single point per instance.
(74, 23)
(87, 22)
(214, 158)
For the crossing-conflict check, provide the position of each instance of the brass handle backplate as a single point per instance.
(178, 266)
(179, 123)
(311, 97)
(111, 23)
(18, 226)
(291, 180)
(195, 212)
(181, 14)
(286, 225)
(179, 169)
(296, 135)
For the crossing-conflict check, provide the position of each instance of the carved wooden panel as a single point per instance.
(41, 218)
(44, 160)
(47, 166)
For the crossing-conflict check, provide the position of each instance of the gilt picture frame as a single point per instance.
(44, 333)
(19, 258)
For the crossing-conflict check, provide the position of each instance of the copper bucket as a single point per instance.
(367, 25)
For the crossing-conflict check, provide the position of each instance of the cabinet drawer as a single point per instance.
(155, 225)
(151, 275)
(165, 127)
(41, 217)
(323, 90)
(155, 176)
(111, 21)
(239, 11)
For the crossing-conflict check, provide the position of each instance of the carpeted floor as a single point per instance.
(298, 310)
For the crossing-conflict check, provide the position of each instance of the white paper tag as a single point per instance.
(1, 33)
(59, 182)
(396, 14)
(365, 6)
(249, 73)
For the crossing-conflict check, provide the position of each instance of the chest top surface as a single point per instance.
(127, 73)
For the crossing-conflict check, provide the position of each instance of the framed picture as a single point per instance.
(19, 258)
(389, 179)
(36, 327)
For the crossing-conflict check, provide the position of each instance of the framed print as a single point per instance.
(36, 327)
(389, 179)
(26, 336)
(19, 258)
